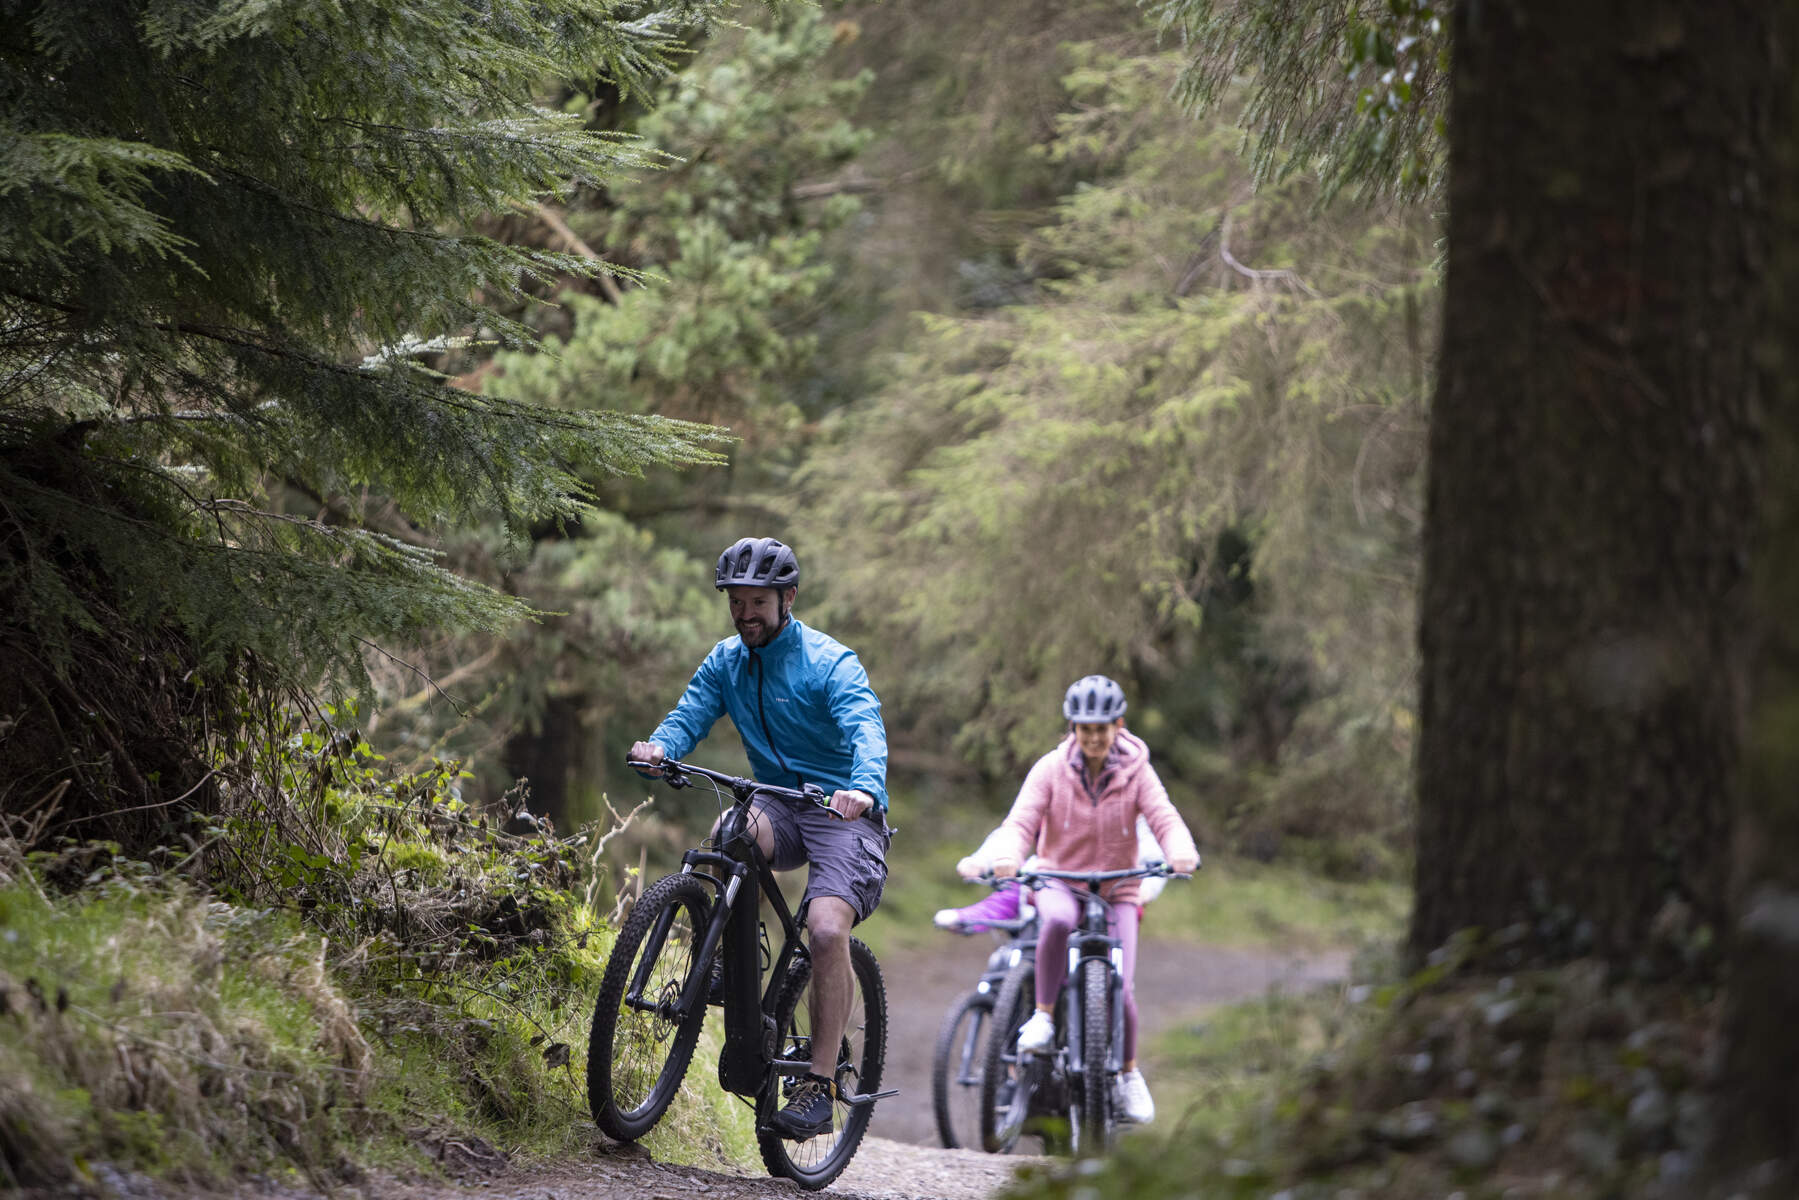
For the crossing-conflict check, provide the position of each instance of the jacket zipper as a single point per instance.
(762, 718)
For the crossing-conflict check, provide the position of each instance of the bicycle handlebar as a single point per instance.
(675, 773)
(1154, 870)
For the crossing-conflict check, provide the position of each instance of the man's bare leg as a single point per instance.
(833, 984)
(829, 920)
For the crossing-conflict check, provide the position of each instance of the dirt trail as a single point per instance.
(901, 1159)
(1176, 982)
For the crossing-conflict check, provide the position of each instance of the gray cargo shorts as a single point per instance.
(849, 858)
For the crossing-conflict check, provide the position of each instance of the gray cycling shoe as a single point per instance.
(808, 1111)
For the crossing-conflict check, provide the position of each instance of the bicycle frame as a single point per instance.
(1067, 1071)
(735, 924)
(1020, 945)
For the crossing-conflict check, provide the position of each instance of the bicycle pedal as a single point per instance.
(862, 1098)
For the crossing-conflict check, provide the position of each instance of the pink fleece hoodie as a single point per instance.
(1070, 828)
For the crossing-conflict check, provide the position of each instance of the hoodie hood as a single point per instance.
(1128, 756)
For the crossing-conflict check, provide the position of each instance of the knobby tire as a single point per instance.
(1005, 1076)
(636, 1059)
(1095, 1118)
(955, 1070)
(815, 1162)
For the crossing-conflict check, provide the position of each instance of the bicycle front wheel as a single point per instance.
(1094, 1121)
(1006, 1074)
(641, 1042)
(956, 1070)
(861, 1052)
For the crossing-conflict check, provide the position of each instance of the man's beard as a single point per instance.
(763, 635)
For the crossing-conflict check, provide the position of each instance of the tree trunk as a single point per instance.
(547, 753)
(1593, 467)
(1757, 1121)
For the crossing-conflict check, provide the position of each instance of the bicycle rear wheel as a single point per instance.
(1093, 1123)
(956, 1070)
(641, 1044)
(1006, 1075)
(818, 1160)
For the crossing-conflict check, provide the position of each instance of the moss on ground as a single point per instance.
(356, 970)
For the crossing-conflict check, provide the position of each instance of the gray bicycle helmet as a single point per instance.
(1093, 700)
(757, 562)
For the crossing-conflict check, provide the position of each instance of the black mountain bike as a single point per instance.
(961, 1042)
(1065, 1094)
(696, 938)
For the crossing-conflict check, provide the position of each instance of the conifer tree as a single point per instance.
(1356, 89)
(732, 238)
(231, 234)
(1186, 455)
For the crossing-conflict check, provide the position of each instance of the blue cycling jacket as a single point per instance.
(802, 706)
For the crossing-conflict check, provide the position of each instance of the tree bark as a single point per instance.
(1756, 1151)
(1593, 471)
(548, 752)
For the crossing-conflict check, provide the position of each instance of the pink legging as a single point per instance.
(1058, 912)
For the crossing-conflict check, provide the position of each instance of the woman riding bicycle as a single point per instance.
(1005, 903)
(1077, 811)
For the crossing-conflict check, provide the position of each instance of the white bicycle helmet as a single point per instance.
(1093, 700)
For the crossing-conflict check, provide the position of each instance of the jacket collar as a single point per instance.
(786, 642)
(1128, 753)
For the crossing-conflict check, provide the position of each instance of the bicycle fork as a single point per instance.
(1083, 948)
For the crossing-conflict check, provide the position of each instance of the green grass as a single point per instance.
(164, 1033)
(1210, 1076)
(1239, 902)
(153, 1029)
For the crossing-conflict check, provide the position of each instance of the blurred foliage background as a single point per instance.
(1038, 383)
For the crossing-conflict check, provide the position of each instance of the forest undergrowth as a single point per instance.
(346, 967)
(1473, 1077)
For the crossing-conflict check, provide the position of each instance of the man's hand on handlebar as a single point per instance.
(647, 752)
(851, 804)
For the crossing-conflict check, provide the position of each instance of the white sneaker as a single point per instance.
(948, 918)
(1131, 1097)
(1037, 1034)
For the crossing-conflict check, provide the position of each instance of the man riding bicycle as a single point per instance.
(802, 704)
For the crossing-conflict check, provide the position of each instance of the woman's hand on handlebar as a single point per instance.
(978, 870)
(1184, 864)
(648, 752)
